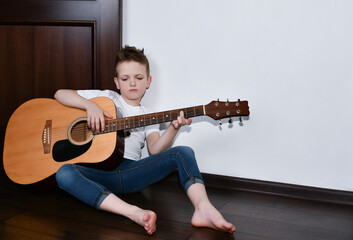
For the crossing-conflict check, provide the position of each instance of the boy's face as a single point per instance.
(132, 81)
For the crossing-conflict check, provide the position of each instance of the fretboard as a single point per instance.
(150, 119)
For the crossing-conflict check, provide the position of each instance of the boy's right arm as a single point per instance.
(95, 114)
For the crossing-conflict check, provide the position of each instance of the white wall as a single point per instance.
(291, 59)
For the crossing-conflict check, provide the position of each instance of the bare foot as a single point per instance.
(146, 219)
(209, 216)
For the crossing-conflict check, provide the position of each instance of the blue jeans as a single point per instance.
(92, 186)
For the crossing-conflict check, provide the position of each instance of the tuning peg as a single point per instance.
(230, 120)
(241, 122)
(220, 122)
(227, 103)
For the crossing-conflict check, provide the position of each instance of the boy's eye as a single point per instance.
(124, 79)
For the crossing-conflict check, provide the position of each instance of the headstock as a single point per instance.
(224, 109)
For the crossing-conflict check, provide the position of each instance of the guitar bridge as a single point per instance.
(46, 136)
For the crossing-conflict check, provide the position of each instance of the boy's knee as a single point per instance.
(185, 150)
(64, 175)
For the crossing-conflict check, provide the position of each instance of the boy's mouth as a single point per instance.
(133, 90)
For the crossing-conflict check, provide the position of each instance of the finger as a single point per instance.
(97, 123)
(107, 114)
(90, 123)
(181, 114)
(102, 121)
(180, 120)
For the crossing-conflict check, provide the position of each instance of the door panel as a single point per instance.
(46, 45)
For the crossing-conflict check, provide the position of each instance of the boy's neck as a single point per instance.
(134, 103)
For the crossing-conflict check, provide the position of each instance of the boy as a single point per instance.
(99, 188)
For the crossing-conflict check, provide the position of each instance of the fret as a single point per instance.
(175, 114)
(143, 121)
(154, 119)
(159, 118)
(167, 116)
(114, 125)
(135, 122)
(131, 122)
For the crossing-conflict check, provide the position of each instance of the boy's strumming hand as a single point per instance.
(181, 121)
(95, 117)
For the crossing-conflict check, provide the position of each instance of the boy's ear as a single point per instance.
(116, 83)
(149, 80)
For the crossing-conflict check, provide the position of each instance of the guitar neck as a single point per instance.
(151, 118)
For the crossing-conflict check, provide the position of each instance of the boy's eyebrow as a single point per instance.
(135, 74)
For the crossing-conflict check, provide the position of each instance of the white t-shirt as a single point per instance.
(136, 141)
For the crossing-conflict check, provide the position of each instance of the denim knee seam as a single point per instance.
(182, 161)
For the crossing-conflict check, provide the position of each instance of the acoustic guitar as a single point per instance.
(42, 134)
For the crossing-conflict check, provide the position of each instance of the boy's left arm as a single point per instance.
(157, 143)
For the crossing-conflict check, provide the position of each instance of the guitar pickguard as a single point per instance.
(64, 150)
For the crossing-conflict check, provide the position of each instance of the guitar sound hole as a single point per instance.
(80, 132)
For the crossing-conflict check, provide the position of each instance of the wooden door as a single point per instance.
(46, 45)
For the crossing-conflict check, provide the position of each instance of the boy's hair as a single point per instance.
(127, 54)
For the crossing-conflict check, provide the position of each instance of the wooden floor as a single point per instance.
(56, 215)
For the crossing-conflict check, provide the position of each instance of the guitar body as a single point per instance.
(42, 135)
(38, 141)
